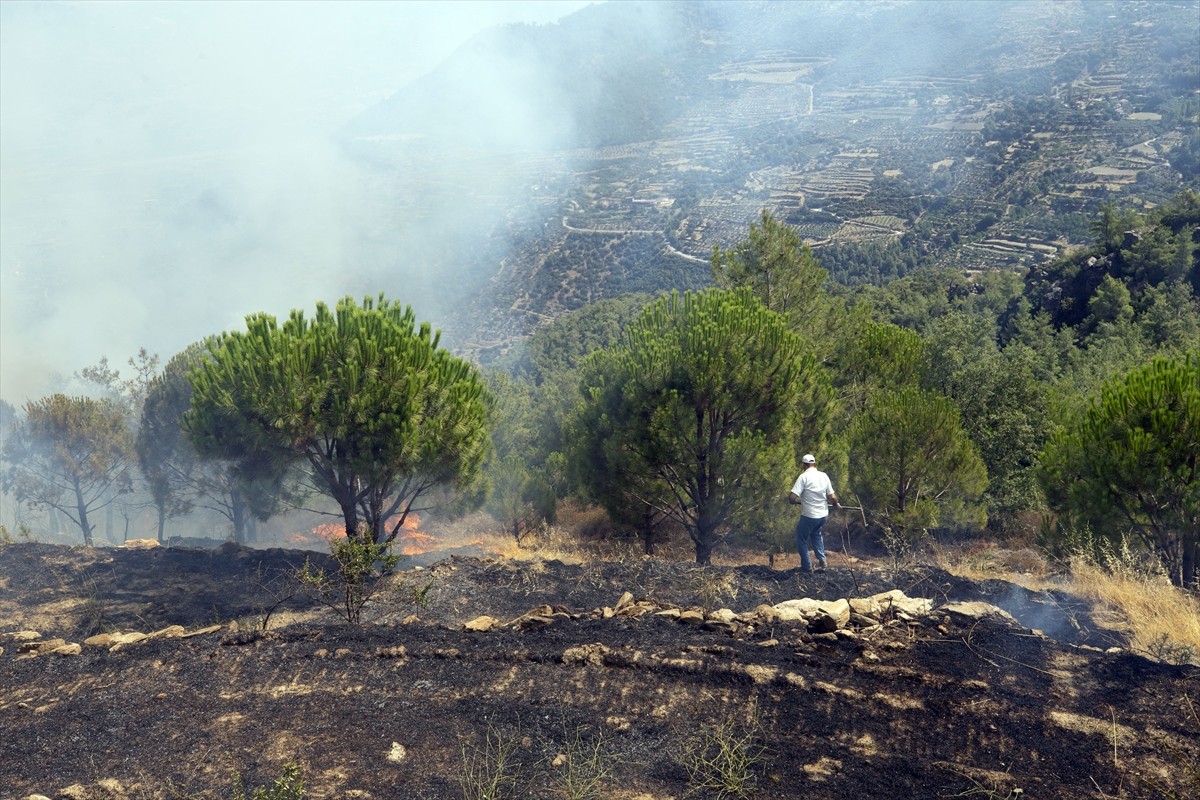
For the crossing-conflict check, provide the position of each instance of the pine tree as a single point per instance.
(1128, 463)
(697, 413)
(362, 397)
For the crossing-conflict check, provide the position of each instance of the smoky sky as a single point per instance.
(168, 168)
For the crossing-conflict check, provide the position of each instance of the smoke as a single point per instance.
(170, 167)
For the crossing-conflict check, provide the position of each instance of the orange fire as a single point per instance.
(410, 541)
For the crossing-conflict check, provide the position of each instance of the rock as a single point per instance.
(721, 615)
(141, 544)
(559, 760)
(806, 610)
(977, 610)
(25, 636)
(112, 786)
(397, 651)
(822, 623)
(75, 791)
(638, 609)
(397, 753)
(37, 797)
(71, 649)
(862, 620)
(764, 614)
(481, 624)
(586, 654)
(201, 632)
(532, 621)
(769, 643)
(693, 615)
(625, 600)
(39, 646)
(896, 600)
(170, 632)
(670, 613)
(122, 639)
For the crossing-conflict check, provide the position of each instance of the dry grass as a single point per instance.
(985, 559)
(1162, 620)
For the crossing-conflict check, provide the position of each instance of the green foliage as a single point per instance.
(1109, 282)
(696, 413)
(288, 786)
(1003, 407)
(775, 265)
(360, 396)
(873, 356)
(164, 454)
(71, 454)
(781, 271)
(362, 562)
(1128, 462)
(913, 464)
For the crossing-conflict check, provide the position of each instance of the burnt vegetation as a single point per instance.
(966, 276)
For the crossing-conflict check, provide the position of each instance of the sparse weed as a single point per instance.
(901, 545)
(724, 761)
(23, 534)
(585, 766)
(990, 789)
(490, 771)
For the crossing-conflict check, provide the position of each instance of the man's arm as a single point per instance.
(832, 497)
(793, 498)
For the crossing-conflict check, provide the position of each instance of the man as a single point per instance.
(813, 493)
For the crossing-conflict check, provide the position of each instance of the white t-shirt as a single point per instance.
(813, 487)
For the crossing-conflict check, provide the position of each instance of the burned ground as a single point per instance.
(931, 705)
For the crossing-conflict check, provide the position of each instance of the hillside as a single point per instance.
(610, 152)
(630, 660)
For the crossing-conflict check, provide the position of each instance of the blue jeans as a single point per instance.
(808, 534)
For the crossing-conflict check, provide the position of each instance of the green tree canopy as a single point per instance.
(71, 454)
(912, 462)
(360, 395)
(698, 411)
(1004, 408)
(1127, 464)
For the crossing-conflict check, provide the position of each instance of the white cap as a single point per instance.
(808, 459)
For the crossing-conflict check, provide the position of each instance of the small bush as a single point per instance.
(724, 761)
(490, 771)
(361, 563)
(288, 786)
(585, 766)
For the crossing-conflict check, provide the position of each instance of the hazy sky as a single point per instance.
(165, 168)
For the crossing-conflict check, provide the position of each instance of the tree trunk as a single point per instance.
(350, 519)
(1190, 546)
(81, 506)
(162, 523)
(237, 508)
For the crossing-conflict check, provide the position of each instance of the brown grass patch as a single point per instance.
(1162, 620)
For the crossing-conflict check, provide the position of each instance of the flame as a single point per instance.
(410, 541)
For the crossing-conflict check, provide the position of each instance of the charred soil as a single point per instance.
(614, 668)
